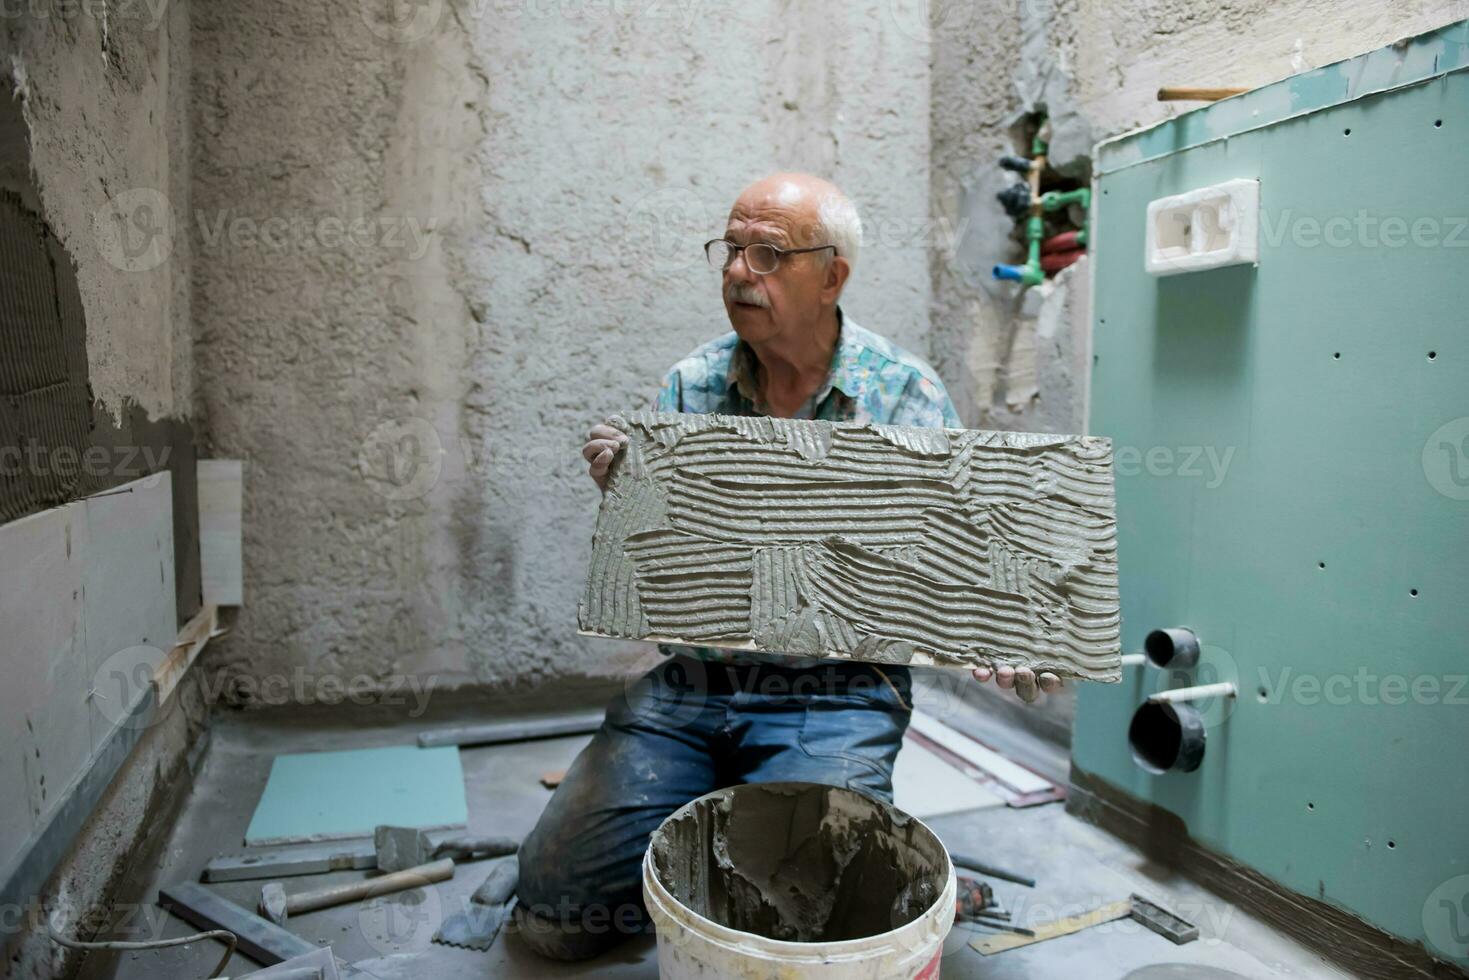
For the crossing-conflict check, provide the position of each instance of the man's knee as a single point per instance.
(563, 933)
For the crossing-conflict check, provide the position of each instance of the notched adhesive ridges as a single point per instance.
(866, 542)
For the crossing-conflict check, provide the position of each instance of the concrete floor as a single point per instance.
(1077, 867)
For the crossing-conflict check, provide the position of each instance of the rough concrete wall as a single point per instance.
(103, 92)
(1017, 359)
(536, 182)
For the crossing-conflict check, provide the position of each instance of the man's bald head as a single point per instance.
(819, 213)
(796, 295)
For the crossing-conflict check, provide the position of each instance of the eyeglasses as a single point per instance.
(760, 258)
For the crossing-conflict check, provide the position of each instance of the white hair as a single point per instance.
(840, 225)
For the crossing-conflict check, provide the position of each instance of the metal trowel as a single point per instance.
(486, 912)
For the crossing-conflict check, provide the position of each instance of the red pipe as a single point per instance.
(1057, 261)
(1064, 242)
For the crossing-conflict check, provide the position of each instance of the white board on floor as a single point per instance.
(925, 785)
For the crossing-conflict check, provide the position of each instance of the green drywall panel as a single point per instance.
(1301, 487)
(326, 795)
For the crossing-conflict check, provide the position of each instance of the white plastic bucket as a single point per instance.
(691, 945)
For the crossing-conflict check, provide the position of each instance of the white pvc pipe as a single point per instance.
(1134, 659)
(1223, 689)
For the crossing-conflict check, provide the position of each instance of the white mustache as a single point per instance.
(742, 292)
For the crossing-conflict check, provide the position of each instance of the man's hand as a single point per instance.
(1027, 686)
(603, 443)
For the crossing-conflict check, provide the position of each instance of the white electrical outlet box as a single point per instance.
(1204, 229)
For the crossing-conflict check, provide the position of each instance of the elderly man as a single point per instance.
(705, 719)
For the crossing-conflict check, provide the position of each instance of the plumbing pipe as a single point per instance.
(1056, 200)
(1134, 659)
(1176, 648)
(1184, 93)
(1064, 242)
(1167, 737)
(1180, 694)
(1056, 261)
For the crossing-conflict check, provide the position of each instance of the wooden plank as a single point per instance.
(286, 862)
(1000, 942)
(221, 553)
(260, 939)
(185, 651)
(889, 544)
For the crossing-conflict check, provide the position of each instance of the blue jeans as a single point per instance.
(684, 729)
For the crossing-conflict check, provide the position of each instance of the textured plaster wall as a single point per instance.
(104, 102)
(1018, 359)
(533, 182)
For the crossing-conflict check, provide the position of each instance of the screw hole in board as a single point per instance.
(1263, 695)
(1413, 592)
(1336, 356)
(1432, 354)
(1321, 564)
(1346, 132)
(1310, 806)
(1438, 124)
(1392, 844)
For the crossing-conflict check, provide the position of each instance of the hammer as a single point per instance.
(399, 848)
(276, 905)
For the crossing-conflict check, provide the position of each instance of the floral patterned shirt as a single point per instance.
(871, 379)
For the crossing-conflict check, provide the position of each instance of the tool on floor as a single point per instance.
(1015, 937)
(290, 860)
(524, 730)
(277, 906)
(263, 941)
(1171, 927)
(400, 848)
(488, 909)
(973, 864)
(320, 964)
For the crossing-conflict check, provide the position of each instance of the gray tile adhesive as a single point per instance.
(889, 544)
(799, 862)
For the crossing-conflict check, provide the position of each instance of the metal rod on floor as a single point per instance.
(969, 863)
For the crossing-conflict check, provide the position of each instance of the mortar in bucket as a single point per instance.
(796, 880)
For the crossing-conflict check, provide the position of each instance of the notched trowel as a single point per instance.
(486, 912)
